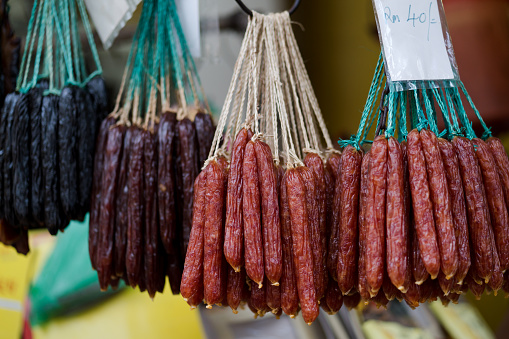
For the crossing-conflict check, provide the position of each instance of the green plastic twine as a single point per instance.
(487, 131)
(439, 97)
(34, 21)
(67, 58)
(175, 60)
(402, 124)
(367, 113)
(413, 109)
(91, 41)
(40, 46)
(430, 112)
(422, 122)
(462, 114)
(189, 63)
(454, 119)
(392, 104)
(161, 40)
(137, 72)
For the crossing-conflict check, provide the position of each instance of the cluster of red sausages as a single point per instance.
(420, 220)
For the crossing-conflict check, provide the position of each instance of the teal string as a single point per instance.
(49, 47)
(413, 109)
(67, 61)
(175, 61)
(430, 112)
(189, 63)
(75, 40)
(462, 114)
(487, 131)
(40, 46)
(422, 122)
(161, 39)
(402, 124)
(90, 36)
(391, 116)
(454, 119)
(30, 37)
(372, 115)
(439, 97)
(367, 113)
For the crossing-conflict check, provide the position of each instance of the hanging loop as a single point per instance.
(250, 12)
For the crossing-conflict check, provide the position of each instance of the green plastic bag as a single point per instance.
(67, 282)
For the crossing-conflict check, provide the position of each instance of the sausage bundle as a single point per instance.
(49, 126)
(432, 207)
(146, 164)
(260, 217)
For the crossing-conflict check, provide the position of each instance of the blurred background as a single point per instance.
(340, 46)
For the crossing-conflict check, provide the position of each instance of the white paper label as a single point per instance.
(413, 40)
(109, 17)
(189, 15)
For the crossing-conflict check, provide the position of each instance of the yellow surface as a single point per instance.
(376, 329)
(462, 321)
(14, 270)
(130, 314)
(16, 273)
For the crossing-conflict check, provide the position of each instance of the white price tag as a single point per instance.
(413, 40)
(109, 17)
(189, 15)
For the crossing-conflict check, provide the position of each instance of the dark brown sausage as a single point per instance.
(107, 215)
(362, 285)
(191, 287)
(477, 209)
(273, 297)
(205, 135)
(502, 161)
(441, 204)
(408, 217)
(213, 268)
(152, 236)
(314, 162)
(271, 226)
(422, 206)
(252, 219)
(95, 209)
(233, 239)
(396, 221)
(135, 226)
(189, 169)
(236, 287)
(166, 179)
(303, 256)
(334, 164)
(289, 294)
(333, 297)
(375, 215)
(333, 248)
(349, 179)
(420, 274)
(352, 301)
(459, 212)
(319, 269)
(121, 208)
(496, 200)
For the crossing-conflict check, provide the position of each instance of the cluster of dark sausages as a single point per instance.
(142, 199)
(46, 158)
(420, 220)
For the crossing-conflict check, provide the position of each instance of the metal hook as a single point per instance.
(250, 12)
